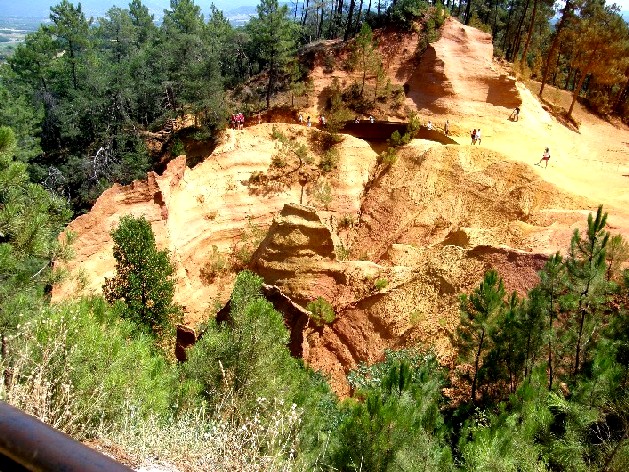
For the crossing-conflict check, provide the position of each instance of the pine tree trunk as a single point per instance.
(467, 12)
(270, 83)
(358, 15)
(577, 355)
(350, 14)
(304, 13)
(577, 88)
(476, 362)
(518, 34)
(505, 36)
(529, 34)
(567, 12)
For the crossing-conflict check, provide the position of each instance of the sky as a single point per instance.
(41, 8)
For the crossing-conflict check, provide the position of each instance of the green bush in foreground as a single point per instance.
(74, 366)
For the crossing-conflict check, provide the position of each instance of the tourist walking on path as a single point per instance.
(545, 157)
(473, 135)
(478, 136)
(308, 122)
(516, 113)
(446, 128)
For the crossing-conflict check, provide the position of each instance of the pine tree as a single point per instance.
(616, 254)
(479, 312)
(586, 271)
(546, 298)
(600, 47)
(72, 32)
(273, 34)
(144, 282)
(30, 220)
(366, 57)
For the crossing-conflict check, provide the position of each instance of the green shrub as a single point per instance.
(144, 284)
(321, 311)
(347, 221)
(247, 358)
(397, 424)
(322, 193)
(278, 161)
(381, 284)
(342, 253)
(330, 160)
(76, 366)
(178, 148)
(396, 139)
(246, 245)
(216, 265)
(404, 12)
(388, 157)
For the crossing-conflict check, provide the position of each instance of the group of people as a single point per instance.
(371, 119)
(300, 119)
(237, 121)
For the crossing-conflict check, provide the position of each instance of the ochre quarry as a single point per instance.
(391, 247)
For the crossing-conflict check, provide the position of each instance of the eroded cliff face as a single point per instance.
(426, 229)
(430, 227)
(215, 204)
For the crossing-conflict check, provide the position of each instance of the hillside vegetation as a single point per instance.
(359, 305)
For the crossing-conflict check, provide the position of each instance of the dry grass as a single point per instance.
(218, 440)
(38, 379)
(41, 386)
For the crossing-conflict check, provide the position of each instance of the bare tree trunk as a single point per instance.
(577, 88)
(304, 13)
(518, 34)
(269, 88)
(505, 37)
